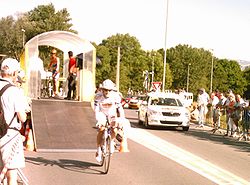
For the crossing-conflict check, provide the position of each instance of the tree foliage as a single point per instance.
(41, 19)
(10, 37)
(246, 74)
(45, 18)
(226, 74)
(132, 61)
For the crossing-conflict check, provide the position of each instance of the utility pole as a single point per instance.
(212, 70)
(118, 69)
(23, 30)
(188, 77)
(153, 68)
(165, 52)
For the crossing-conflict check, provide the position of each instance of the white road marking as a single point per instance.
(185, 158)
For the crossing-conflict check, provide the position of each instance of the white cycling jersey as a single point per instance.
(108, 106)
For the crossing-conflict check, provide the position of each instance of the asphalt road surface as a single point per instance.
(157, 156)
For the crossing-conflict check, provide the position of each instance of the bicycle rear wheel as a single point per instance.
(107, 155)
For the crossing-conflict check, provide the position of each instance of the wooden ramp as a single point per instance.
(61, 125)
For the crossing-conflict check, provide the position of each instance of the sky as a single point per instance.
(221, 26)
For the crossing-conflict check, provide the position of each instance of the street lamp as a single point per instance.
(165, 52)
(188, 76)
(152, 73)
(23, 30)
(212, 69)
(118, 69)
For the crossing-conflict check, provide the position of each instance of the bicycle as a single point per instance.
(108, 141)
(106, 147)
(47, 89)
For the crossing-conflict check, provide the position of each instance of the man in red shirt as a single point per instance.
(71, 77)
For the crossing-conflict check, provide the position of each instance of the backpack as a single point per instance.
(3, 125)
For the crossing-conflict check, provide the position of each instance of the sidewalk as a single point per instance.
(208, 128)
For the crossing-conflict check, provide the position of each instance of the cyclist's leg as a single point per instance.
(99, 143)
(113, 135)
(99, 138)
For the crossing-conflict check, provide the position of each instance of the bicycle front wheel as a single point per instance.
(107, 155)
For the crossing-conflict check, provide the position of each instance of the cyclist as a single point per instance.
(107, 105)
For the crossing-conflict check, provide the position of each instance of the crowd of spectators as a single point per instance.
(235, 109)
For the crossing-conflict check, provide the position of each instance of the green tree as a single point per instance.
(199, 60)
(133, 61)
(228, 75)
(10, 37)
(44, 18)
(41, 19)
(246, 74)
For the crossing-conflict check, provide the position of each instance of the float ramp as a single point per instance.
(61, 125)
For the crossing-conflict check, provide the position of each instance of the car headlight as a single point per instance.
(154, 112)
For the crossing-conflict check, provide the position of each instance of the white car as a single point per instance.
(164, 109)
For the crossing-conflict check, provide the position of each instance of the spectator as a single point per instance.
(71, 77)
(220, 107)
(229, 105)
(217, 93)
(54, 67)
(214, 100)
(245, 121)
(237, 114)
(202, 100)
(11, 144)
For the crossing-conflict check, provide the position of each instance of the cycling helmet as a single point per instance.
(108, 84)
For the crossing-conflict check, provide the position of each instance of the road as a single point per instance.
(157, 156)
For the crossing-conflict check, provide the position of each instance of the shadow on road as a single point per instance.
(220, 139)
(68, 164)
(203, 134)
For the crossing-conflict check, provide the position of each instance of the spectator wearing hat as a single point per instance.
(11, 144)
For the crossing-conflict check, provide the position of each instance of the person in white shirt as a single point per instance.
(214, 100)
(202, 101)
(13, 108)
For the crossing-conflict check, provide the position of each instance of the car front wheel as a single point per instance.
(146, 122)
(185, 128)
(139, 120)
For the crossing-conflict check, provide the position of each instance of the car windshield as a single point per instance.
(166, 102)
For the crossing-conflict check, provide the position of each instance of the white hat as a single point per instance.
(108, 84)
(10, 65)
